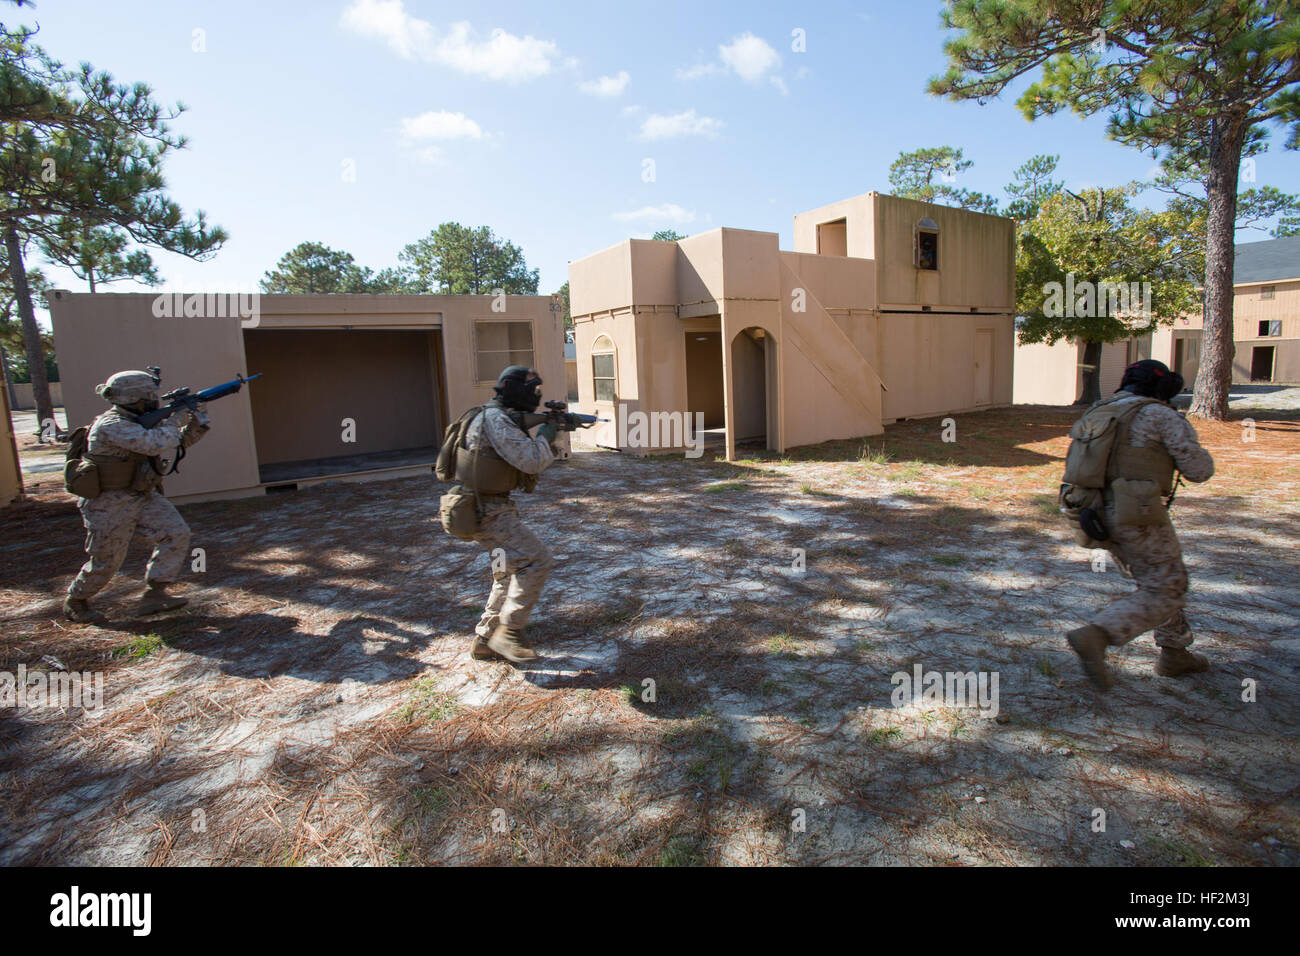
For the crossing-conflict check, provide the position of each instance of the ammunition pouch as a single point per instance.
(459, 513)
(1138, 503)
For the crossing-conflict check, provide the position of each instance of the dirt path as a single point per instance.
(319, 706)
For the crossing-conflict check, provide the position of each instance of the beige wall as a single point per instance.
(25, 400)
(97, 335)
(1249, 309)
(829, 363)
(11, 482)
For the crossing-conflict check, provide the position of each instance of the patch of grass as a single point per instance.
(1187, 854)
(906, 492)
(680, 851)
(768, 686)
(140, 646)
(428, 703)
(431, 799)
(910, 472)
(1045, 667)
(726, 486)
(810, 490)
(880, 736)
(784, 644)
(950, 560)
(1046, 505)
(877, 456)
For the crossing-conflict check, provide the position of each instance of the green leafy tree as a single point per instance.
(97, 255)
(1092, 268)
(927, 174)
(315, 267)
(1031, 185)
(563, 293)
(669, 235)
(13, 357)
(78, 147)
(1175, 75)
(458, 260)
(1183, 175)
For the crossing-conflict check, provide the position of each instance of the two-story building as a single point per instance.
(886, 309)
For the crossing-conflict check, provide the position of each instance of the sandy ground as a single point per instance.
(318, 704)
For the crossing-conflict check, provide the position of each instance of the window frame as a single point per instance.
(600, 350)
(479, 350)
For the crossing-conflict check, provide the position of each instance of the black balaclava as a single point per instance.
(1151, 379)
(519, 388)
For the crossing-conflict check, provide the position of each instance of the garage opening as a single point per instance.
(340, 401)
(1261, 363)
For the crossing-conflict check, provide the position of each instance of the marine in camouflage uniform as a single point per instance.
(131, 498)
(499, 456)
(1149, 554)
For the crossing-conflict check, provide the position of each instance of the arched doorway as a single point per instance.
(754, 388)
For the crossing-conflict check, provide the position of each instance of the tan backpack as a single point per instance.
(80, 474)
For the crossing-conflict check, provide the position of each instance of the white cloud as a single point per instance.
(668, 212)
(607, 86)
(658, 126)
(747, 56)
(697, 71)
(502, 56)
(388, 20)
(441, 125)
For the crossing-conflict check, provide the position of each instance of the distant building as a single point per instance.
(353, 386)
(887, 309)
(1266, 335)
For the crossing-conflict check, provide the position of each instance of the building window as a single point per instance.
(499, 344)
(1266, 292)
(604, 371)
(1270, 327)
(833, 238)
(925, 248)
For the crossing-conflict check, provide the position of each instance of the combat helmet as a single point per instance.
(131, 387)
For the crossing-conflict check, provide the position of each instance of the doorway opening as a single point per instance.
(341, 401)
(1261, 363)
(754, 388)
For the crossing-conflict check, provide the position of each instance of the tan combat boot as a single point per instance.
(480, 651)
(1090, 643)
(156, 599)
(79, 610)
(1177, 661)
(509, 643)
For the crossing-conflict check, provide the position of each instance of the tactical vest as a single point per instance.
(88, 474)
(483, 470)
(1139, 462)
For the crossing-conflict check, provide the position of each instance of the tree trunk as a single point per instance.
(31, 332)
(1214, 376)
(9, 379)
(1091, 374)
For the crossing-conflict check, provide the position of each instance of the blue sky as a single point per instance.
(364, 124)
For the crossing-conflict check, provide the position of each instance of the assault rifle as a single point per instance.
(557, 414)
(183, 398)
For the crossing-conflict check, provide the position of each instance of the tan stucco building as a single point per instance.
(1266, 335)
(352, 386)
(887, 308)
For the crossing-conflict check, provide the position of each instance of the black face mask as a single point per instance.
(522, 394)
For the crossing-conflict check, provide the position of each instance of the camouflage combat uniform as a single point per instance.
(112, 518)
(1151, 555)
(517, 581)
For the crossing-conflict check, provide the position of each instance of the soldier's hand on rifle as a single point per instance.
(200, 418)
(548, 430)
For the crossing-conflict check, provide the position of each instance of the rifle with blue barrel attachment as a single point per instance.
(180, 398)
(557, 414)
